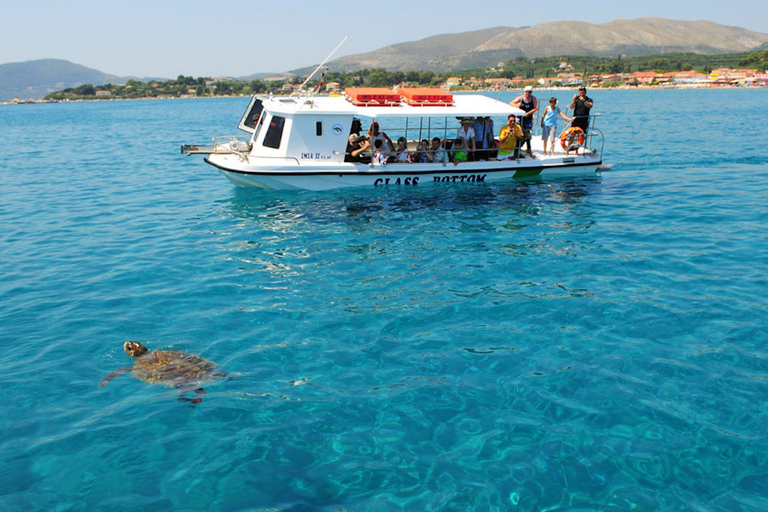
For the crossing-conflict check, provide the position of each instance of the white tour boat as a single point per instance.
(300, 142)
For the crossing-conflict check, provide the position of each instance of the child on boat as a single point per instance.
(379, 155)
(459, 151)
(549, 125)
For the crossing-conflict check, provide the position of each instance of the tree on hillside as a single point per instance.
(85, 90)
(378, 78)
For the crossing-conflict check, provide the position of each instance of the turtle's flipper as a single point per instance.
(112, 375)
(184, 390)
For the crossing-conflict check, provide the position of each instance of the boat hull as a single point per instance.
(346, 175)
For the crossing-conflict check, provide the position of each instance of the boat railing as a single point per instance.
(221, 144)
(443, 127)
(596, 137)
(231, 145)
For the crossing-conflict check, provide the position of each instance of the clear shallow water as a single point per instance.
(593, 344)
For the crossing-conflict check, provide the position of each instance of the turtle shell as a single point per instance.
(173, 368)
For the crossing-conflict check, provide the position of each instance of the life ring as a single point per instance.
(572, 135)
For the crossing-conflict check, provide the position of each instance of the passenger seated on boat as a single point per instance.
(510, 138)
(379, 156)
(437, 154)
(422, 152)
(374, 134)
(355, 152)
(467, 135)
(357, 144)
(459, 151)
(403, 156)
(356, 127)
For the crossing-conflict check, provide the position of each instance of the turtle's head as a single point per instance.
(134, 348)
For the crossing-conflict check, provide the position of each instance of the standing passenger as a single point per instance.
(484, 134)
(530, 105)
(581, 106)
(549, 124)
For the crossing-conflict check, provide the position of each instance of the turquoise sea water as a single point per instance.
(572, 345)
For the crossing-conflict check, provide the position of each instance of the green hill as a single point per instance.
(487, 47)
(36, 78)
(32, 80)
(479, 49)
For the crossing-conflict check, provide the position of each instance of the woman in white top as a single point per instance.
(467, 135)
(386, 143)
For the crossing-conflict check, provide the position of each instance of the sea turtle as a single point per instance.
(171, 368)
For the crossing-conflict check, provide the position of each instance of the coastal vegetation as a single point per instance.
(523, 69)
(488, 57)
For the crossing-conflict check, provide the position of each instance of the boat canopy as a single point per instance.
(463, 105)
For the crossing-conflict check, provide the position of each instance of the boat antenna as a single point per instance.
(322, 80)
(323, 63)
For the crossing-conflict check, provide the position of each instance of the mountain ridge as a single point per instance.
(33, 79)
(487, 47)
(452, 52)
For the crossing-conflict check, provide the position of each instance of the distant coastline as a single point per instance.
(684, 87)
(639, 52)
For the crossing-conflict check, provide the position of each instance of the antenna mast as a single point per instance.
(323, 63)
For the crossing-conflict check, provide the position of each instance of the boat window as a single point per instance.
(251, 116)
(319, 128)
(274, 132)
(258, 128)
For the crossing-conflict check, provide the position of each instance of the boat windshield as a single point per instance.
(251, 115)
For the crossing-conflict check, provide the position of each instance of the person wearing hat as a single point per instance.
(467, 136)
(528, 103)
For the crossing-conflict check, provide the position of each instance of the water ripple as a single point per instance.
(548, 345)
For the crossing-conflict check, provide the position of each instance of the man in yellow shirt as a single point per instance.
(510, 138)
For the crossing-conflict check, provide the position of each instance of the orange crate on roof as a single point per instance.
(372, 96)
(425, 96)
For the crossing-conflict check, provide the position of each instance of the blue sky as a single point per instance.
(166, 38)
